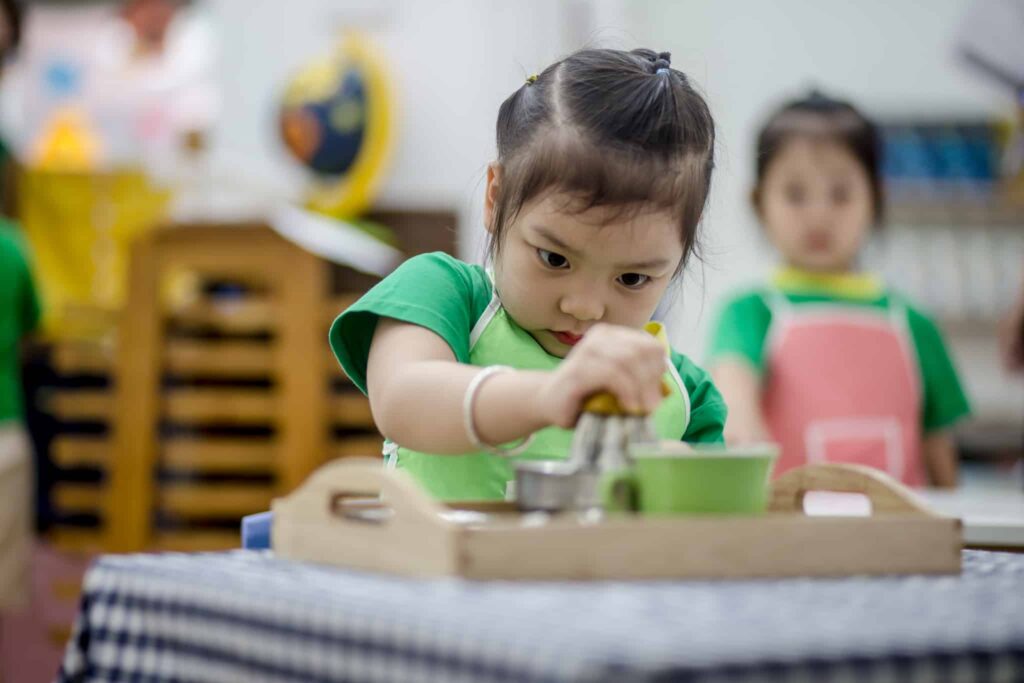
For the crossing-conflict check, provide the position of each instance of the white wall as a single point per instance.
(453, 63)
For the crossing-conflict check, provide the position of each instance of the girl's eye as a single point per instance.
(552, 260)
(795, 194)
(840, 194)
(634, 280)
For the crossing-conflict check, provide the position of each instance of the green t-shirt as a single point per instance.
(744, 323)
(19, 315)
(448, 296)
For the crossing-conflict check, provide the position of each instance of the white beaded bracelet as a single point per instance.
(467, 415)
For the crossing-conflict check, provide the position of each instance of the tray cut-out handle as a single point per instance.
(887, 495)
(359, 507)
(363, 491)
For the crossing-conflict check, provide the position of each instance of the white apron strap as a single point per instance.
(781, 313)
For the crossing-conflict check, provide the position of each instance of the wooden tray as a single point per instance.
(336, 517)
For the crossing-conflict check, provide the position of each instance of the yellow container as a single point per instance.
(80, 227)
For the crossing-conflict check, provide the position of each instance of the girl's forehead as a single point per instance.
(566, 209)
(814, 154)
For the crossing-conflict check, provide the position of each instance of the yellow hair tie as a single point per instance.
(530, 80)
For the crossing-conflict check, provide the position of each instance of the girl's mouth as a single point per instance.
(818, 241)
(567, 338)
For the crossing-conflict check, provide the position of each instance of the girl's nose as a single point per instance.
(820, 211)
(582, 306)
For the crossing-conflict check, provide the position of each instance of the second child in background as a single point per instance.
(824, 359)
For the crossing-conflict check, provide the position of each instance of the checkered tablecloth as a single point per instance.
(246, 616)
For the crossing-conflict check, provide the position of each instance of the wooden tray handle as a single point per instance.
(329, 493)
(885, 493)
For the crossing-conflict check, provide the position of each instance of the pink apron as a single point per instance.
(843, 385)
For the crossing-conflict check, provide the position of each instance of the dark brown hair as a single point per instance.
(817, 115)
(12, 15)
(608, 128)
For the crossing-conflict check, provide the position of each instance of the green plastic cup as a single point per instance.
(671, 478)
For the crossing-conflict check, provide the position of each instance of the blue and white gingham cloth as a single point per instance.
(246, 616)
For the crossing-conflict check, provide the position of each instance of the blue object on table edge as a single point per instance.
(256, 531)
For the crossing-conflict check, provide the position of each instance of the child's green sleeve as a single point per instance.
(435, 291)
(708, 411)
(740, 331)
(944, 401)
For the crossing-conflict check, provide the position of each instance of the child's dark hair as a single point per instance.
(609, 128)
(12, 15)
(817, 115)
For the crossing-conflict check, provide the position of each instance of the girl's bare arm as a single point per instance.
(741, 387)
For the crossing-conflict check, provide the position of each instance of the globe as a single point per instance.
(336, 119)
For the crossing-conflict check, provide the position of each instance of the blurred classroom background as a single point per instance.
(947, 124)
(206, 184)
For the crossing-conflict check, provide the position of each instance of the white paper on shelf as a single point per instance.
(334, 240)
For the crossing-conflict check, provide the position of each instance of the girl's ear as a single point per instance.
(491, 194)
(755, 200)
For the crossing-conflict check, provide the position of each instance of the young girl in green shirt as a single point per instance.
(592, 208)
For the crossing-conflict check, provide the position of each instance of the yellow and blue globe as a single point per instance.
(336, 118)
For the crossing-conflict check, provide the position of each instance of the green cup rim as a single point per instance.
(687, 452)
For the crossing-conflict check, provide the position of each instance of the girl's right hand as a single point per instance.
(628, 363)
(740, 385)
